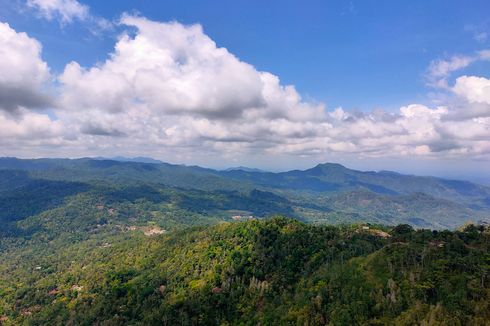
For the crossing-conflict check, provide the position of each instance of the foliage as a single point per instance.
(274, 271)
(100, 242)
(328, 193)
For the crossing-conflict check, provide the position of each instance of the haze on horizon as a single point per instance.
(227, 85)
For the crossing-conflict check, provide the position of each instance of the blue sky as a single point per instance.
(376, 57)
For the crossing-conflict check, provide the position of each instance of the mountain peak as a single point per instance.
(330, 165)
(323, 168)
(138, 159)
(245, 169)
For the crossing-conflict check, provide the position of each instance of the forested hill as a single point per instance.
(327, 193)
(103, 242)
(272, 272)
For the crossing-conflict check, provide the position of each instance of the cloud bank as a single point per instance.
(169, 91)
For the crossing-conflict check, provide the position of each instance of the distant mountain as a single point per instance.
(245, 169)
(331, 177)
(326, 193)
(138, 159)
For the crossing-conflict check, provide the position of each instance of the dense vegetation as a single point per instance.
(328, 193)
(276, 271)
(100, 242)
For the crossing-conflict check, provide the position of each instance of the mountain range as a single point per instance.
(326, 193)
(118, 242)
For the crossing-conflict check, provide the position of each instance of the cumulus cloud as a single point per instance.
(168, 90)
(474, 89)
(23, 73)
(170, 67)
(174, 80)
(473, 92)
(30, 127)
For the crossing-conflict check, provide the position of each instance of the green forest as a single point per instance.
(276, 271)
(86, 242)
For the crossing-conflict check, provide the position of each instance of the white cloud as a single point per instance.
(170, 67)
(29, 127)
(69, 11)
(439, 70)
(65, 10)
(22, 71)
(170, 92)
(473, 89)
(175, 78)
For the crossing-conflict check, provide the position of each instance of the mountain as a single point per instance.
(335, 177)
(327, 193)
(245, 169)
(138, 159)
(106, 242)
(272, 272)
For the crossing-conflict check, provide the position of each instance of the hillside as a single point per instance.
(277, 271)
(335, 177)
(101, 242)
(328, 193)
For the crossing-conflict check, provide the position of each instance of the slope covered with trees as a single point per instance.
(328, 193)
(276, 271)
(100, 242)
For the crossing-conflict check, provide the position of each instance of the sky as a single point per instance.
(277, 85)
